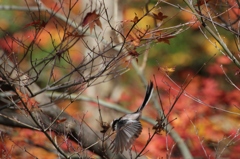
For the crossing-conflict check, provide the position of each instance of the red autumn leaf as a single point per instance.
(39, 23)
(29, 102)
(91, 19)
(133, 53)
(201, 2)
(165, 39)
(98, 23)
(159, 16)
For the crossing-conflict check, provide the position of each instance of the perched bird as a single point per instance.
(128, 127)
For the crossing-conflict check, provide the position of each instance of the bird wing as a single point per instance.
(126, 133)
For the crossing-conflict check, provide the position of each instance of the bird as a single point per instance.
(128, 127)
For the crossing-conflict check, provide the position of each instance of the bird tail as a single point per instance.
(148, 95)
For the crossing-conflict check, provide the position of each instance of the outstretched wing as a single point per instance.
(126, 133)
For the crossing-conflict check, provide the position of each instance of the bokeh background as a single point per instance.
(206, 118)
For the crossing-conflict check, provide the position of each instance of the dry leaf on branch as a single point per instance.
(159, 16)
(135, 19)
(91, 19)
(37, 24)
(168, 69)
(165, 39)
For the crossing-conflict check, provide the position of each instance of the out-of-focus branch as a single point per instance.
(19, 8)
(103, 103)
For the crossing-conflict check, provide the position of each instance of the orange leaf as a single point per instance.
(134, 39)
(135, 19)
(91, 19)
(61, 120)
(168, 69)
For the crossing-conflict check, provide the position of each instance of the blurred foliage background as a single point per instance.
(206, 130)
